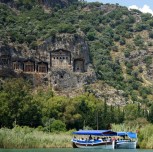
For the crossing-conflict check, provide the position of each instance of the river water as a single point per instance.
(73, 150)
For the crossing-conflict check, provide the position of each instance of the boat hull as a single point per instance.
(126, 145)
(100, 145)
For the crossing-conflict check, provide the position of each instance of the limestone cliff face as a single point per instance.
(62, 62)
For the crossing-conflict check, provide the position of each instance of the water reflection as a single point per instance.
(73, 150)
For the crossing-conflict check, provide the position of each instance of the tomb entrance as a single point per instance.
(60, 58)
(29, 66)
(78, 65)
(42, 67)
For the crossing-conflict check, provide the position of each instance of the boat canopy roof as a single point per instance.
(129, 134)
(96, 132)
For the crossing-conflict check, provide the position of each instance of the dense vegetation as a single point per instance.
(109, 30)
(51, 113)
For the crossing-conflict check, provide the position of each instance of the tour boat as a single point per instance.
(127, 140)
(94, 139)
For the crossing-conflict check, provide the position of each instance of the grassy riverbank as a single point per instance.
(31, 138)
(24, 137)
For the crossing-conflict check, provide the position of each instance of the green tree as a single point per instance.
(17, 102)
(151, 34)
(57, 126)
(4, 109)
(150, 117)
(138, 40)
(130, 112)
(91, 36)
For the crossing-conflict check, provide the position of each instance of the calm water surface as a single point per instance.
(72, 150)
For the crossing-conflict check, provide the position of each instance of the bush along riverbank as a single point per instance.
(25, 137)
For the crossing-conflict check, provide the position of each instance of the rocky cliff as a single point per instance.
(62, 62)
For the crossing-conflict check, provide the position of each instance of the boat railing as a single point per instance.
(125, 140)
(89, 141)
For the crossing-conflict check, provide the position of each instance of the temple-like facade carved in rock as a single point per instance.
(62, 62)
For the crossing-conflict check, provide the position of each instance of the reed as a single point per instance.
(124, 127)
(146, 137)
(24, 137)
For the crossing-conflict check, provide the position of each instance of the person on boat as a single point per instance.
(109, 139)
(100, 139)
(90, 138)
(81, 139)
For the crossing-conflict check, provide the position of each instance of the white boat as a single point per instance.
(103, 140)
(127, 140)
